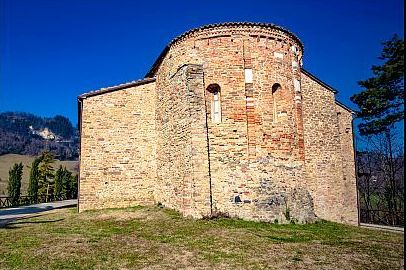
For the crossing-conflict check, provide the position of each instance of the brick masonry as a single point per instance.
(282, 150)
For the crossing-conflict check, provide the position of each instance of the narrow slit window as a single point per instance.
(215, 99)
(276, 89)
(216, 108)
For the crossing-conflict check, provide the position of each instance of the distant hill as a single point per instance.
(28, 134)
(7, 161)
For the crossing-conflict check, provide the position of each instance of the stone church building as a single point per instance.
(225, 121)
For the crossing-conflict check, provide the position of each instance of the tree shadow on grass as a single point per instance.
(13, 223)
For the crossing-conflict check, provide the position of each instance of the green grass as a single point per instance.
(7, 161)
(159, 238)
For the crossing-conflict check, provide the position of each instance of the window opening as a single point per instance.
(215, 98)
(276, 89)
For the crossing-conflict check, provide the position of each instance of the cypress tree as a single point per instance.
(58, 188)
(14, 182)
(66, 183)
(47, 174)
(73, 186)
(34, 179)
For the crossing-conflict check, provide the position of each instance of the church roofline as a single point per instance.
(115, 88)
(319, 81)
(158, 61)
(345, 107)
(329, 88)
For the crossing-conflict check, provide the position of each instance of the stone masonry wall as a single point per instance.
(324, 154)
(118, 150)
(350, 198)
(182, 157)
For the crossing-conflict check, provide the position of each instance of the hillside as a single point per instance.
(28, 134)
(7, 161)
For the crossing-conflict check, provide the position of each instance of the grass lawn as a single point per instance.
(156, 238)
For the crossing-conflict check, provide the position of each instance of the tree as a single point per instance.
(20, 134)
(74, 186)
(14, 182)
(61, 126)
(381, 106)
(381, 102)
(381, 196)
(58, 188)
(66, 182)
(46, 174)
(34, 179)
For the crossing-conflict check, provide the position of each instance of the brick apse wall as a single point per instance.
(281, 148)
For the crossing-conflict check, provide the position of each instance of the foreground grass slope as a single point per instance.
(156, 238)
(7, 161)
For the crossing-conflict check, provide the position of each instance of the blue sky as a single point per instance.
(52, 51)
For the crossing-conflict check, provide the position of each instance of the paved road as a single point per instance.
(10, 214)
(381, 227)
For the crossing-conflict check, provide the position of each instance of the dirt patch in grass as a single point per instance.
(127, 214)
(157, 238)
(120, 216)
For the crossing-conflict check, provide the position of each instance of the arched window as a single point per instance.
(215, 99)
(276, 89)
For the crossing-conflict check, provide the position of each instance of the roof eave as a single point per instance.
(346, 107)
(115, 88)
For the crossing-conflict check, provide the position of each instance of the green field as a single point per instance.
(158, 238)
(7, 161)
